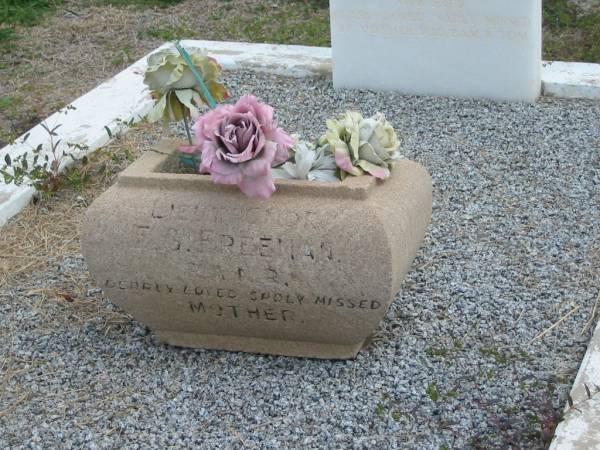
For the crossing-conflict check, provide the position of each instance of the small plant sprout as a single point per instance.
(39, 169)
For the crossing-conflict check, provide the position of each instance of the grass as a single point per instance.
(140, 3)
(570, 33)
(31, 12)
(20, 13)
(25, 12)
(305, 23)
(168, 33)
(5, 102)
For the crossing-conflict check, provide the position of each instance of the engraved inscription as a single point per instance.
(235, 303)
(433, 19)
(243, 312)
(163, 209)
(215, 242)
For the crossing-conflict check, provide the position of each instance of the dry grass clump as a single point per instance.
(48, 230)
(41, 269)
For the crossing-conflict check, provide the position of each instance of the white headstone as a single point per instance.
(463, 48)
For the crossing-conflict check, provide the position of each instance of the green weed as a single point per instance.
(439, 352)
(7, 35)
(396, 415)
(459, 345)
(451, 394)
(494, 353)
(9, 104)
(432, 392)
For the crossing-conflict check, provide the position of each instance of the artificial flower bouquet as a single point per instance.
(241, 144)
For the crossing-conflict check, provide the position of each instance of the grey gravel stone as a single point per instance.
(513, 247)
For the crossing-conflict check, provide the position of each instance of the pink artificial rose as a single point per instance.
(239, 145)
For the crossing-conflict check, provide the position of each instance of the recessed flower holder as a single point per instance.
(310, 272)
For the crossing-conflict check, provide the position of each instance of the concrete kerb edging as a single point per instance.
(124, 98)
(571, 80)
(580, 429)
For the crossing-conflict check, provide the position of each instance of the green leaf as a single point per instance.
(5, 101)
(186, 96)
(108, 132)
(176, 109)
(129, 155)
(8, 178)
(158, 110)
(432, 392)
(7, 159)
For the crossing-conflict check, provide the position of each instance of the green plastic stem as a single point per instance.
(187, 128)
(186, 56)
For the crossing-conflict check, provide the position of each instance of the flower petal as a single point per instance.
(378, 172)
(256, 168)
(322, 175)
(186, 96)
(260, 187)
(304, 158)
(282, 173)
(158, 110)
(367, 153)
(342, 159)
(223, 172)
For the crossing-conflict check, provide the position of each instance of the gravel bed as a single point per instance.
(512, 248)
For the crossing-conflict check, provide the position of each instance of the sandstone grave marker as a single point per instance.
(310, 272)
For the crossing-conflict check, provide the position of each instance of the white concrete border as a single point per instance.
(124, 98)
(580, 429)
(571, 80)
(290, 60)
